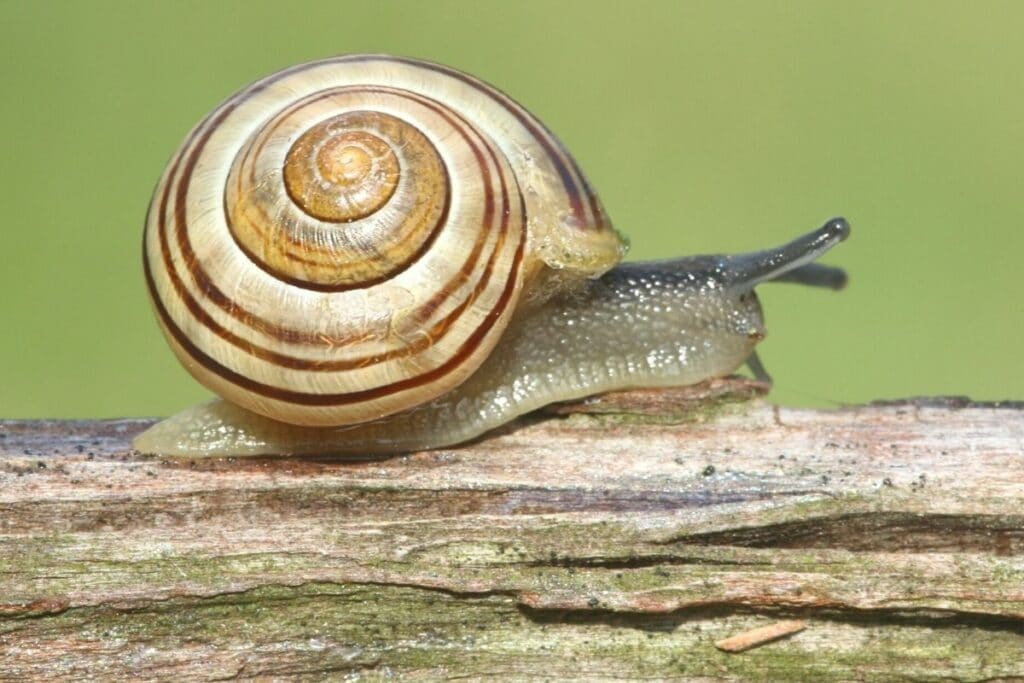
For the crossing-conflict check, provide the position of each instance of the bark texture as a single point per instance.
(617, 538)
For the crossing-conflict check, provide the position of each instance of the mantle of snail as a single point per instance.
(623, 534)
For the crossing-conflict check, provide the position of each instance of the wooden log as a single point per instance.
(616, 538)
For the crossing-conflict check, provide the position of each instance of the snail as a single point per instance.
(373, 254)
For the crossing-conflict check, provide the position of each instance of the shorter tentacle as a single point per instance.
(757, 368)
(815, 275)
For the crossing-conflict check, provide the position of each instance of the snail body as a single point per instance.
(374, 254)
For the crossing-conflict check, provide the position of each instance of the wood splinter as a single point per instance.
(760, 636)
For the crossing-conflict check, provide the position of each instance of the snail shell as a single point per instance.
(337, 249)
(349, 238)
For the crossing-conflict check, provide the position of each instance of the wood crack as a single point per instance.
(893, 531)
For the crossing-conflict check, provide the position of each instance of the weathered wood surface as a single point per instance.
(614, 539)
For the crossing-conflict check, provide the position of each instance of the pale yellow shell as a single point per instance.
(349, 238)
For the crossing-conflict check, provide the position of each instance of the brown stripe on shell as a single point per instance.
(283, 360)
(225, 303)
(566, 167)
(302, 398)
(397, 268)
(437, 331)
(282, 115)
(439, 297)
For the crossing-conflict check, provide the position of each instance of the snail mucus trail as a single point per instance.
(573, 327)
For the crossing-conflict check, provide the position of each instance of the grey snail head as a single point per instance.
(375, 254)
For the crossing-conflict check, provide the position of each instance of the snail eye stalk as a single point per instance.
(792, 262)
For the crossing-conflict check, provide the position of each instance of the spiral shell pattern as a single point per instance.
(349, 238)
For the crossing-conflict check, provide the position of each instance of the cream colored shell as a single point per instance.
(349, 238)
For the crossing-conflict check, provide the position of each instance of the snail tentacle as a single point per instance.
(757, 368)
(792, 261)
(815, 275)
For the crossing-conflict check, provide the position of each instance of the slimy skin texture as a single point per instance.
(667, 323)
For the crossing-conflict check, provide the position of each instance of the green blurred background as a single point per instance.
(706, 127)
